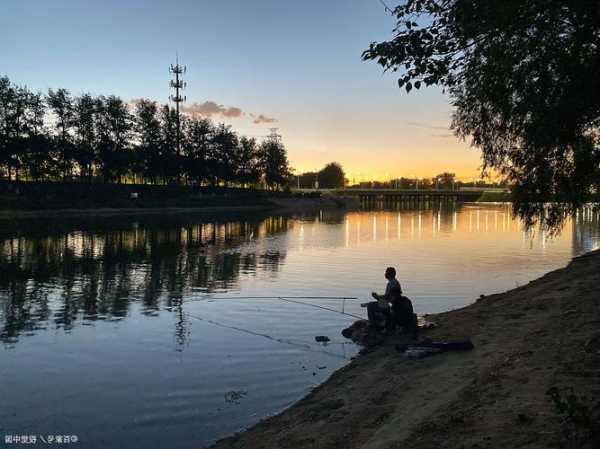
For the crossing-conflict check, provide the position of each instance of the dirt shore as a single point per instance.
(527, 340)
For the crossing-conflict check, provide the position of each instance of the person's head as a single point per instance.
(390, 273)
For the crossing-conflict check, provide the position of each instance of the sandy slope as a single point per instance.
(540, 335)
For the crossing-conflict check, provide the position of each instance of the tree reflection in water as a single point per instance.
(97, 272)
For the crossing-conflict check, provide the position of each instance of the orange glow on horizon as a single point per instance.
(368, 167)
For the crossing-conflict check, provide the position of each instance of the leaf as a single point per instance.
(408, 87)
(418, 85)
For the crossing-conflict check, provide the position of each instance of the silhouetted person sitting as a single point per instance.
(379, 310)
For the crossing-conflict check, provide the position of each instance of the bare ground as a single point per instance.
(526, 340)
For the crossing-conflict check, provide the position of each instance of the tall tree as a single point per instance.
(6, 101)
(148, 130)
(274, 163)
(37, 155)
(224, 145)
(61, 104)
(523, 80)
(171, 164)
(248, 163)
(114, 132)
(197, 147)
(13, 105)
(85, 142)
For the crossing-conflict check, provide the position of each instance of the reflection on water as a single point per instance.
(146, 327)
(96, 275)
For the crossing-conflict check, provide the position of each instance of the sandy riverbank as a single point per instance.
(527, 340)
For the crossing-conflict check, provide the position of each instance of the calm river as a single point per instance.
(140, 333)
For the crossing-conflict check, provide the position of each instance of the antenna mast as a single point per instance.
(178, 84)
(274, 135)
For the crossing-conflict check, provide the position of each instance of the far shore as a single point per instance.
(527, 340)
(129, 211)
(268, 204)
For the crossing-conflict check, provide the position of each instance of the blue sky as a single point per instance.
(297, 62)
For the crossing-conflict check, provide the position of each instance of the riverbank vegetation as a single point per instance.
(523, 80)
(85, 138)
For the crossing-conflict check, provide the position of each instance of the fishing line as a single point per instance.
(279, 297)
(304, 346)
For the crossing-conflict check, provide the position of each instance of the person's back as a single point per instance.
(403, 315)
(402, 310)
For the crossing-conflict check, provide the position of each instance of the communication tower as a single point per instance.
(274, 135)
(178, 84)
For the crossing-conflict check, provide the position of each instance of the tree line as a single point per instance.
(62, 137)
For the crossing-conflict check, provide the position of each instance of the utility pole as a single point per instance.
(178, 84)
(274, 135)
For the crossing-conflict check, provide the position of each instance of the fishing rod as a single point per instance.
(279, 297)
(294, 300)
(286, 299)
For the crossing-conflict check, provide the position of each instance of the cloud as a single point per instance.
(210, 108)
(428, 126)
(262, 119)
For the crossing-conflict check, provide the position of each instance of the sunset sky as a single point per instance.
(253, 64)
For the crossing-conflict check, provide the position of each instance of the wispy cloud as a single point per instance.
(260, 118)
(428, 126)
(210, 108)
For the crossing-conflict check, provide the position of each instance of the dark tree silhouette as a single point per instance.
(273, 163)
(115, 129)
(37, 160)
(147, 126)
(523, 79)
(444, 180)
(90, 138)
(224, 146)
(197, 146)
(332, 176)
(84, 124)
(248, 168)
(170, 160)
(305, 180)
(13, 106)
(7, 142)
(61, 105)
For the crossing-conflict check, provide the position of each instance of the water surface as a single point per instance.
(140, 333)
